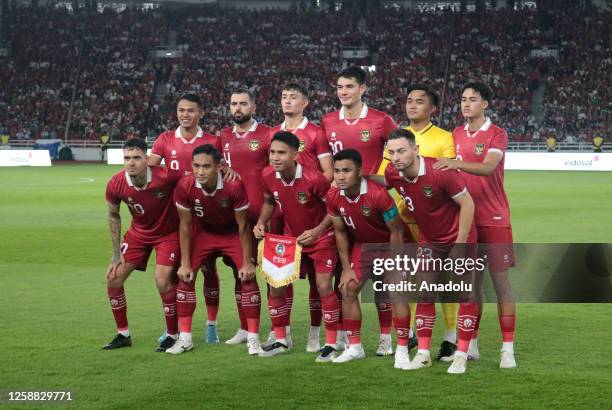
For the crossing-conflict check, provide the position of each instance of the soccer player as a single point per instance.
(147, 192)
(300, 193)
(480, 155)
(245, 150)
(175, 148)
(434, 142)
(444, 211)
(313, 153)
(221, 227)
(362, 212)
(365, 129)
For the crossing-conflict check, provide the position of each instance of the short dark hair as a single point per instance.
(135, 143)
(350, 154)
(244, 90)
(353, 72)
(207, 149)
(481, 88)
(402, 133)
(191, 97)
(429, 92)
(296, 87)
(288, 138)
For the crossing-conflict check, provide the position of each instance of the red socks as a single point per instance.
(116, 296)
(314, 305)
(185, 305)
(402, 330)
(466, 322)
(211, 294)
(425, 318)
(506, 324)
(385, 317)
(251, 304)
(353, 331)
(169, 301)
(238, 295)
(331, 313)
(277, 306)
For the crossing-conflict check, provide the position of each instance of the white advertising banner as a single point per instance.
(558, 161)
(114, 156)
(25, 158)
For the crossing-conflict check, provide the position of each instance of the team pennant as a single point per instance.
(279, 259)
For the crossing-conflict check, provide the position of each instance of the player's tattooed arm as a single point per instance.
(247, 270)
(466, 215)
(114, 225)
(484, 168)
(185, 272)
(267, 209)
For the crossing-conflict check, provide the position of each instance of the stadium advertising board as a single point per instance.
(31, 158)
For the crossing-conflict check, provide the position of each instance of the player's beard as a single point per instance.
(243, 119)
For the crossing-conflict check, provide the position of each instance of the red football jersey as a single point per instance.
(363, 215)
(302, 201)
(313, 144)
(368, 134)
(429, 198)
(248, 155)
(152, 209)
(492, 208)
(214, 211)
(176, 151)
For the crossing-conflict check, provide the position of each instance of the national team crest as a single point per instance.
(302, 197)
(279, 259)
(365, 135)
(366, 210)
(302, 146)
(479, 149)
(224, 202)
(428, 191)
(254, 145)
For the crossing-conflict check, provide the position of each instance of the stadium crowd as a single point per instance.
(115, 92)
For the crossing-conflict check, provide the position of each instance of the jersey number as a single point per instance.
(408, 202)
(227, 158)
(174, 164)
(136, 208)
(336, 146)
(199, 211)
(349, 222)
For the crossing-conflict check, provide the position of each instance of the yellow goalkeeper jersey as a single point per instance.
(433, 142)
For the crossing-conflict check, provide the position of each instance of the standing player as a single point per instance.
(222, 227)
(365, 129)
(313, 153)
(147, 192)
(300, 193)
(245, 149)
(175, 148)
(434, 142)
(444, 211)
(480, 155)
(362, 212)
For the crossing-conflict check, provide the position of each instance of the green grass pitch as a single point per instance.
(55, 317)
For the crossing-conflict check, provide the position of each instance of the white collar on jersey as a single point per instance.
(302, 125)
(149, 179)
(421, 172)
(253, 128)
(298, 174)
(484, 127)
(363, 189)
(177, 134)
(218, 187)
(362, 114)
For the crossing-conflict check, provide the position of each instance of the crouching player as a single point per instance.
(221, 229)
(362, 212)
(444, 212)
(147, 192)
(300, 193)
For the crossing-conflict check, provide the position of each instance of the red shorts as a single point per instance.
(495, 243)
(205, 244)
(277, 224)
(320, 258)
(137, 250)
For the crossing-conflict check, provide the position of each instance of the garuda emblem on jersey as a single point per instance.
(302, 146)
(254, 145)
(224, 202)
(365, 135)
(479, 149)
(366, 210)
(428, 191)
(302, 197)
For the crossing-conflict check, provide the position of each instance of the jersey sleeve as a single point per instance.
(448, 146)
(388, 126)
(330, 204)
(499, 142)
(452, 183)
(159, 146)
(265, 181)
(112, 193)
(320, 186)
(320, 143)
(239, 196)
(181, 195)
(384, 201)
